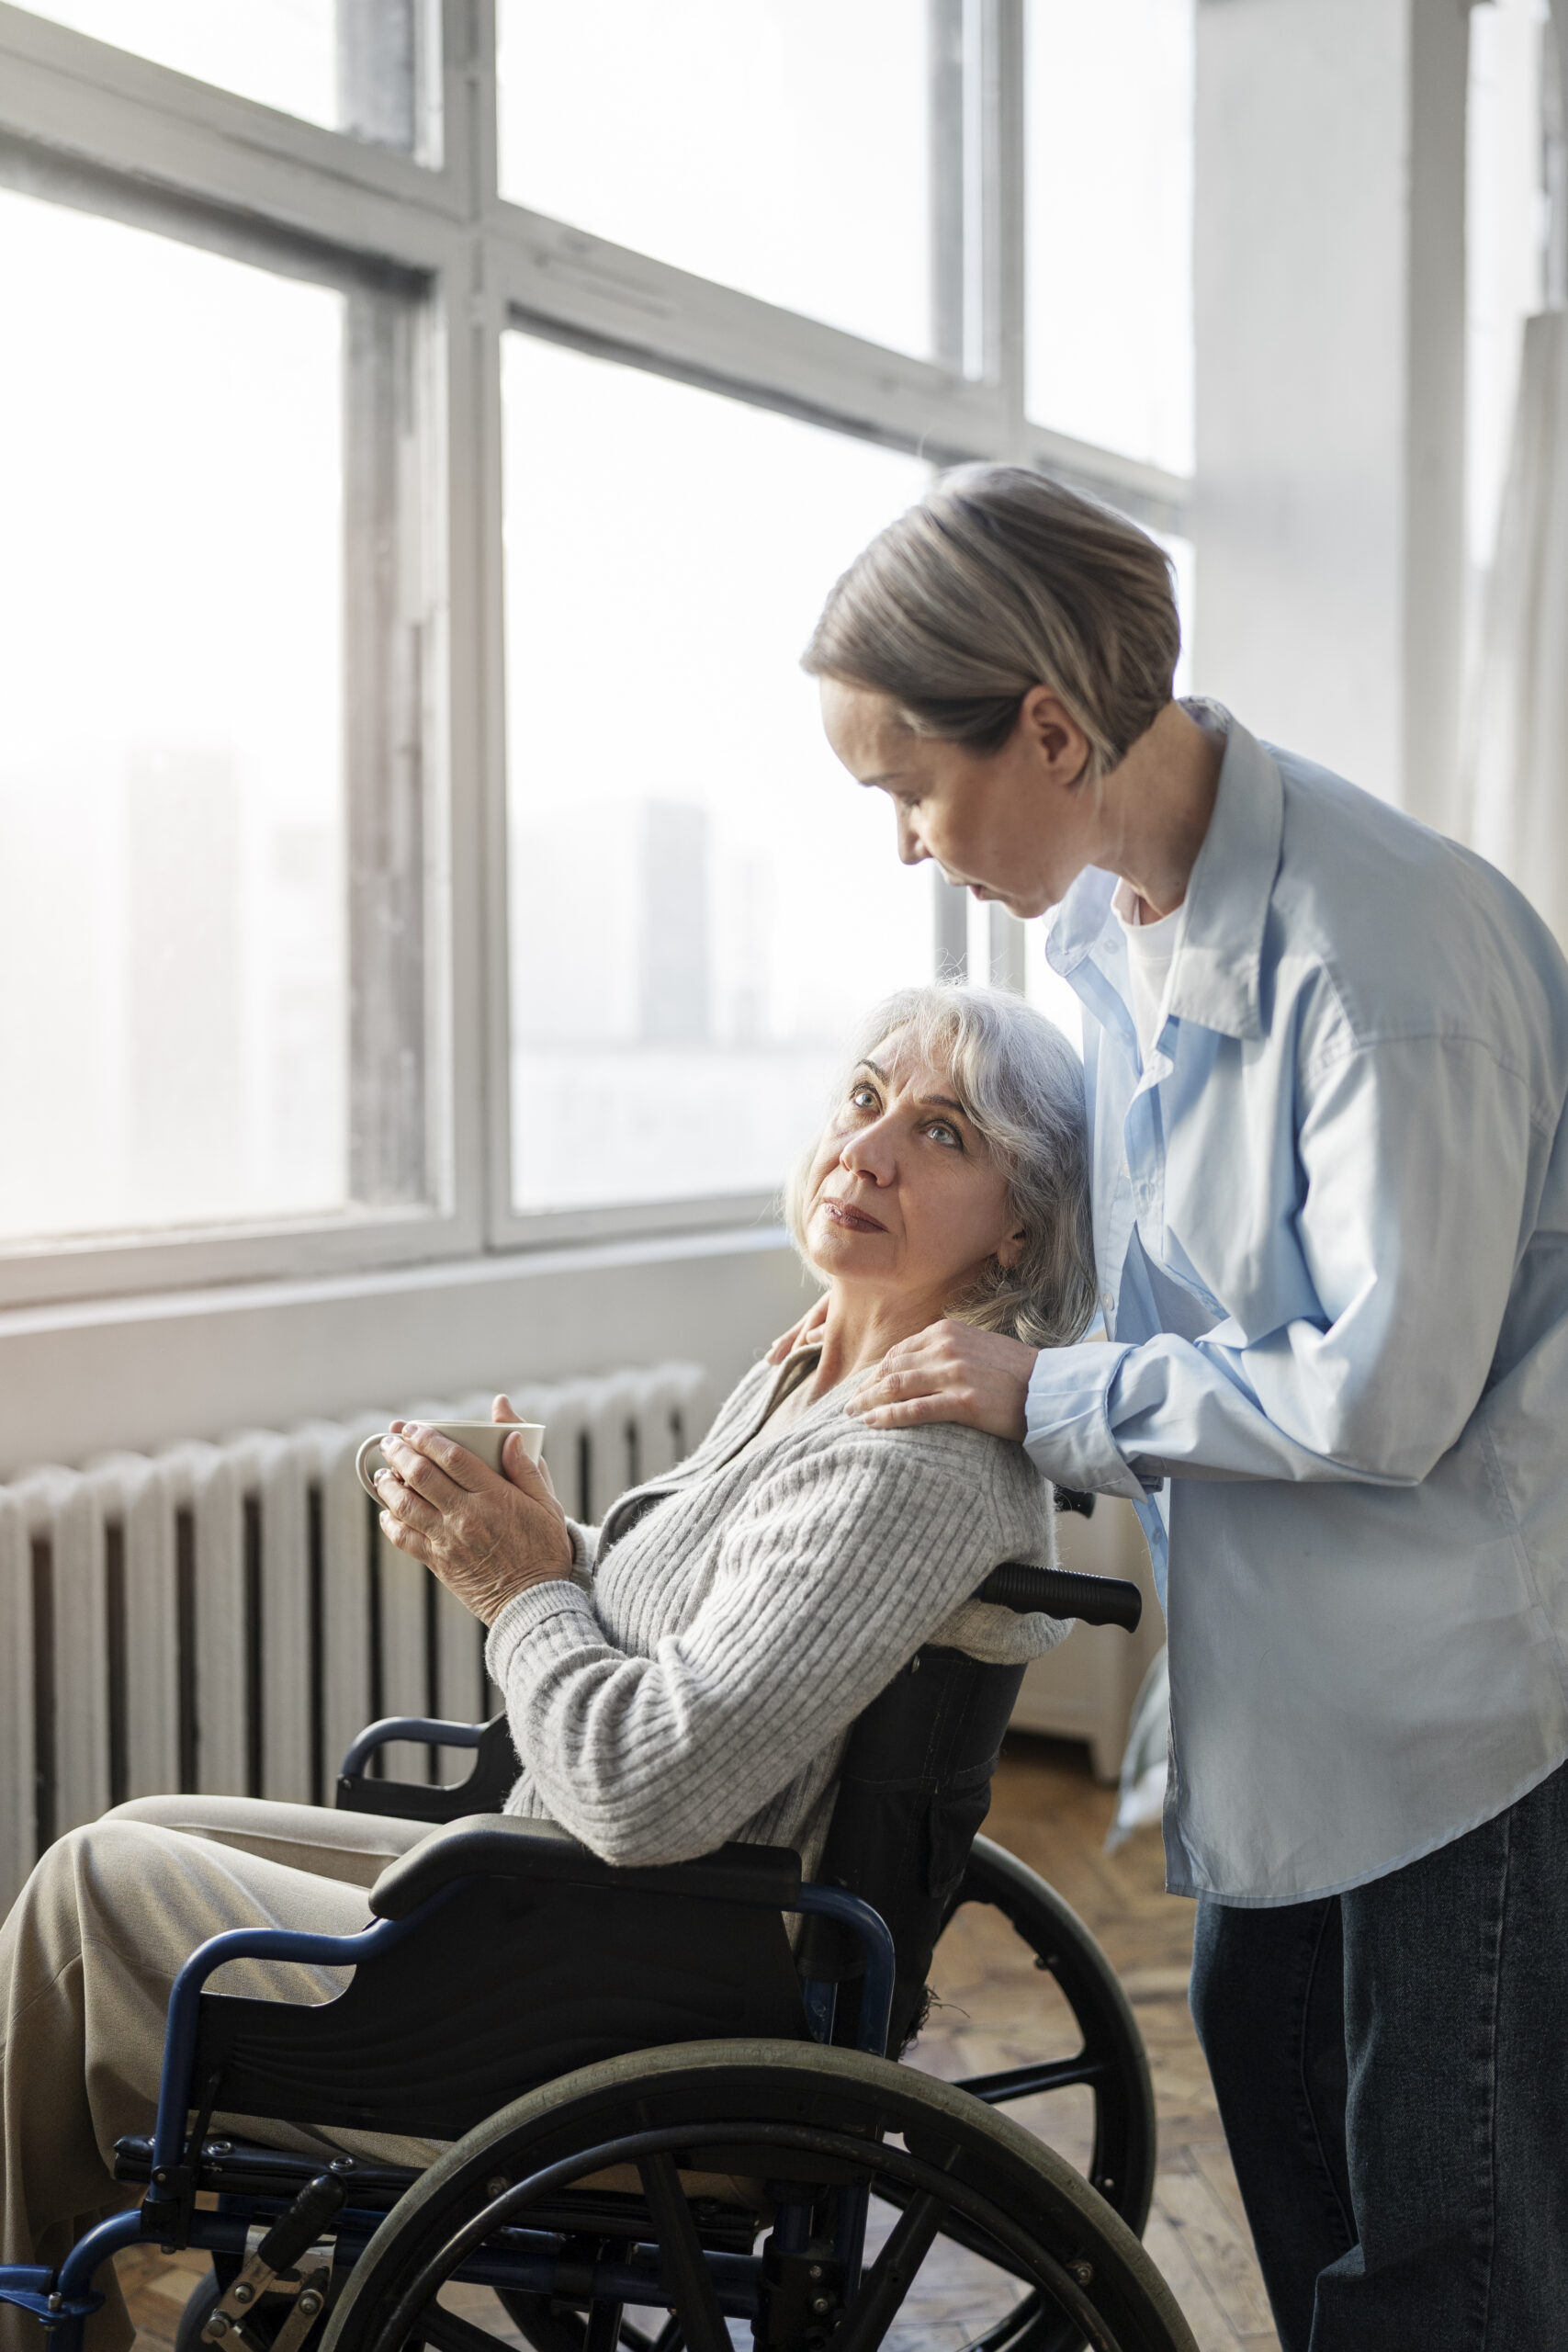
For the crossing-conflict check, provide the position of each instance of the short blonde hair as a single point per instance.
(998, 581)
(1022, 1085)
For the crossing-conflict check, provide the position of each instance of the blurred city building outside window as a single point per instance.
(684, 953)
(172, 956)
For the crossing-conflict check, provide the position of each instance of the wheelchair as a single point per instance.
(664, 2119)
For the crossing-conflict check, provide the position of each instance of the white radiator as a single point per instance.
(225, 1617)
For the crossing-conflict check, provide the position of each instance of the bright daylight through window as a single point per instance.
(170, 792)
(683, 958)
(781, 147)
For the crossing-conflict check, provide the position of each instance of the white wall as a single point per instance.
(1329, 287)
(140, 1372)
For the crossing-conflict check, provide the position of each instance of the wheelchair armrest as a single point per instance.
(416, 1728)
(488, 1845)
(496, 1768)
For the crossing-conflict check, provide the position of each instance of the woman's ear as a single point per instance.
(1059, 741)
(1011, 1250)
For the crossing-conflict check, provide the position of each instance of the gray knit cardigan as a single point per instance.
(694, 1680)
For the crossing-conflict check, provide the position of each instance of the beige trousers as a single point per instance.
(87, 1957)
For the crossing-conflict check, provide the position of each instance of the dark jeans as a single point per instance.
(1392, 2070)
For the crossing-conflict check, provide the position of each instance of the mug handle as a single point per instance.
(369, 1460)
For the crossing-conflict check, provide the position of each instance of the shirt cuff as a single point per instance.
(527, 1612)
(1068, 1431)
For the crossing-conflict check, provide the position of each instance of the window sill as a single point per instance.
(87, 1376)
(501, 1266)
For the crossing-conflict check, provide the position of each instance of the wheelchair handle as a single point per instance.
(1063, 1592)
(302, 2224)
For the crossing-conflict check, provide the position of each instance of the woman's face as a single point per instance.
(1011, 825)
(903, 1196)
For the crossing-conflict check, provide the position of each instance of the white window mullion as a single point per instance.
(73, 97)
(949, 129)
(1001, 67)
(487, 670)
(468, 109)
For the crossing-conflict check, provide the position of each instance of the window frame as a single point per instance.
(88, 124)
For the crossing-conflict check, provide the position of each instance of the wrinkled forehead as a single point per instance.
(909, 1065)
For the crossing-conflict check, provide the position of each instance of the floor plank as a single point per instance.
(996, 2009)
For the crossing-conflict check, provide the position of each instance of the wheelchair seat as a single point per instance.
(543, 1965)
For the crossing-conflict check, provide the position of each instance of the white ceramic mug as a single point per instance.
(483, 1438)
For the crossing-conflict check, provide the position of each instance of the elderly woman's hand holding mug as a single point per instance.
(488, 1537)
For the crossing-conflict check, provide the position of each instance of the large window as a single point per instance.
(422, 470)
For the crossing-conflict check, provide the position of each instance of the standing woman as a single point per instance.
(1327, 1055)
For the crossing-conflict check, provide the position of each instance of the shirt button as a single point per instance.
(1107, 1302)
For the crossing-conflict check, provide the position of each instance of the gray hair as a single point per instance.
(1021, 1084)
(998, 581)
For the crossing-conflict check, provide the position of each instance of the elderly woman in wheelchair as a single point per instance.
(634, 2000)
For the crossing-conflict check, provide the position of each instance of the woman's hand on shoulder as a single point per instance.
(948, 1371)
(487, 1536)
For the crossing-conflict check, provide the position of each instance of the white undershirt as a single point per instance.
(1151, 950)
(1151, 946)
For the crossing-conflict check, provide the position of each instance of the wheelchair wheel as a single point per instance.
(200, 2304)
(1083, 2050)
(822, 2127)
(1080, 2049)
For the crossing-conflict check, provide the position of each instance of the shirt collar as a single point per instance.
(1215, 978)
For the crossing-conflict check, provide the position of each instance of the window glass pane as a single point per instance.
(780, 147)
(701, 898)
(361, 67)
(1109, 223)
(172, 953)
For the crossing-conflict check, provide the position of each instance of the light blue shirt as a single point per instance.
(1331, 1229)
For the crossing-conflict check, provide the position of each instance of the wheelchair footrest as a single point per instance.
(31, 2288)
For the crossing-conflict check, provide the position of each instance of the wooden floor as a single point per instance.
(1050, 1813)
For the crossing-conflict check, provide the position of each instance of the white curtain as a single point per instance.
(1518, 752)
(1515, 757)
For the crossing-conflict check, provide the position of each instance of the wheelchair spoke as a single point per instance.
(891, 2276)
(1022, 2082)
(604, 2328)
(686, 2275)
(444, 2331)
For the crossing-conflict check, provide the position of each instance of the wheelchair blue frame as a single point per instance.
(63, 2300)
